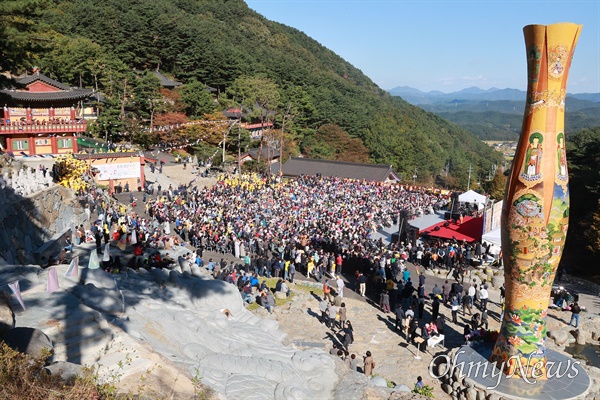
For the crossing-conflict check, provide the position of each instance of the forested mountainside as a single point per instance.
(501, 120)
(497, 114)
(94, 44)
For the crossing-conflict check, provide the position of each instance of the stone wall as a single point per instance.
(462, 387)
(28, 222)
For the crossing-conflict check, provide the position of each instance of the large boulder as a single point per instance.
(581, 336)
(497, 280)
(7, 316)
(471, 394)
(402, 388)
(378, 381)
(280, 295)
(559, 336)
(30, 341)
(66, 370)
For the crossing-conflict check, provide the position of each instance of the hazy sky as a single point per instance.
(442, 45)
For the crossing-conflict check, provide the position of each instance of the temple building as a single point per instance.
(41, 116)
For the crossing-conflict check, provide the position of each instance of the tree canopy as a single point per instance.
(262, 65)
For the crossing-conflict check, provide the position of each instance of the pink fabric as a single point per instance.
(52, 280)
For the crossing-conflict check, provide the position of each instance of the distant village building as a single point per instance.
(268, 155)
(257, 130)
(297, 166)
(41, 116)
(166, 82)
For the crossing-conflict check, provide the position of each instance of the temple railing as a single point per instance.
(70, 127)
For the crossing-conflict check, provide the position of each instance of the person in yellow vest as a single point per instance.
(310, 267)
(286, 267)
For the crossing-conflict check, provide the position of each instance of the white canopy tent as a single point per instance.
(473, 197)
(493, 238)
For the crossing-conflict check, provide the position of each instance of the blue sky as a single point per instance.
(442, 45)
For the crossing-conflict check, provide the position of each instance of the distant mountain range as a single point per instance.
(496, 114)
(418, 98)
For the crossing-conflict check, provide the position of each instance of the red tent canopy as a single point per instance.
(470, 229)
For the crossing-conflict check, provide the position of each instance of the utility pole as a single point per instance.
(223, 157)
(285, 115)
(239, 171)
(469, 182)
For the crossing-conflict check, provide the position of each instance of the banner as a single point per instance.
(133, 238)
(122, 242)
(73, 269)
(93, 263)
(52, 285)
(14, 286)
(117, 171)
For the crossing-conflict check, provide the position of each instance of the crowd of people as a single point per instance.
(318, 226)
(313, 222)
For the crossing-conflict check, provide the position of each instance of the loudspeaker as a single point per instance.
(412, 235)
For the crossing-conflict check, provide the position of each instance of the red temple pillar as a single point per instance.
(75, 147)
(142, 175)
(6, 115)
(54, 144)
(32, 151)
(28, 114)
(72, 113)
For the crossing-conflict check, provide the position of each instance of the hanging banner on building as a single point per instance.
(491, 217)
(117, 171)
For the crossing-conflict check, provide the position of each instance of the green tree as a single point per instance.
(331, 143)
(498, 185)
(583, 157)
(196, 99)
(109, 124)
(74, 61)
(261, 96)
(20, 35)
(147, 99)
(591, 231)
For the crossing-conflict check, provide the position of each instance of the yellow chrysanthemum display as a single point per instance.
(250, 182)
(71, 171)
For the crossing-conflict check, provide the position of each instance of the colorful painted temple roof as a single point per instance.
(38, 87)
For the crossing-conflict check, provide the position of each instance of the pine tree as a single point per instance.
(592, 231)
